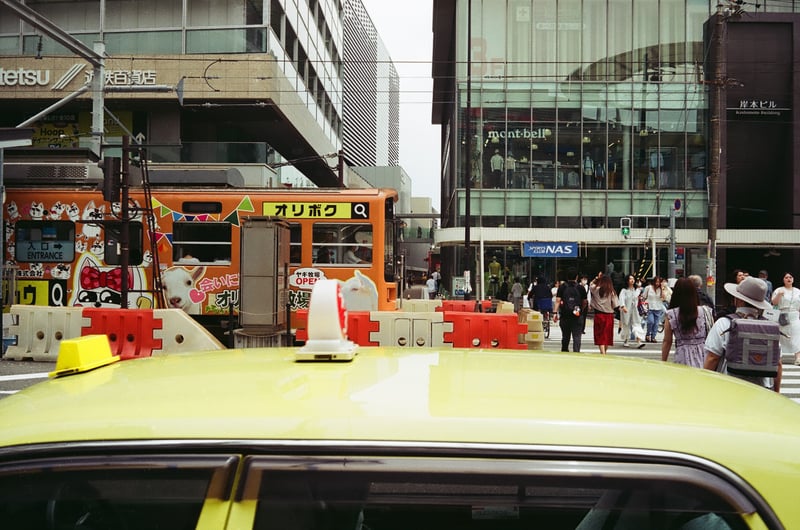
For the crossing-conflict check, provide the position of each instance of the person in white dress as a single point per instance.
(629, 313)
(787, 300)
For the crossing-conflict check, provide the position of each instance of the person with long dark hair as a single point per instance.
(604, 301)
(656, 298)
(688, 323)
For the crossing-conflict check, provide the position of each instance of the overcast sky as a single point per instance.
(405, 28)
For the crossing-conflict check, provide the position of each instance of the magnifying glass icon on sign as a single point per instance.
(360, 210)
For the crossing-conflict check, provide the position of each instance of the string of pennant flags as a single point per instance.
(162, 210)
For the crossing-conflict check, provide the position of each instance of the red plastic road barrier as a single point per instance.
(301, 325)
(485, 330)
(457, 305)
(129, 331)
(359, 327)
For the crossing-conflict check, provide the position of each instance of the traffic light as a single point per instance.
(112, 178)
(625, 227)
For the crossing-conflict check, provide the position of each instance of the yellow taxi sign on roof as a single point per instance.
(83, 354)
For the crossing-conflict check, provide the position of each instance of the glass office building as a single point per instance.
(567, 116)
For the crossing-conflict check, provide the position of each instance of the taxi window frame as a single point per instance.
(47, 474)
(707, 477)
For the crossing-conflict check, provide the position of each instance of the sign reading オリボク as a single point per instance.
(316, 210)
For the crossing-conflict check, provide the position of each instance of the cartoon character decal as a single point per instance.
(359, 292)
(96, 286)
(180, 291)
(93, 213)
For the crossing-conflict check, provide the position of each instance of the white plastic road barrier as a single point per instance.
(410, 330)
(181, 333)
(40, 330)
(412, 305)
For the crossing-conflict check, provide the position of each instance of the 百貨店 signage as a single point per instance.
(532, 249)
(21, 77)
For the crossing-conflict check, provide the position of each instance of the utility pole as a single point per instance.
(468, 261)
(125, 237)
(671, 268)
(716, 101)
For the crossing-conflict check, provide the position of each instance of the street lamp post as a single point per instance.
(468, 160)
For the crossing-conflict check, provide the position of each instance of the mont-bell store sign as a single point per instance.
(532, 249)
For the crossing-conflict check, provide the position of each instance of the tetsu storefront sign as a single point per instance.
(24, 77)
(533, 249)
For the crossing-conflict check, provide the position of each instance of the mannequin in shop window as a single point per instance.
(496, 164)
(511, 166)
(588, 172)
(599, 176)
(656, 169)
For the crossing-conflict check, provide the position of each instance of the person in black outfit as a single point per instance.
(542, 296)
(569, 323)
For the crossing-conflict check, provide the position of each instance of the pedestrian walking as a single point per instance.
(431, 286)
(603, 302)
(516, 295)
(570, 304)
(748, 300)
(787, 299)
(702, 297)
(688, 323)
(656, 297)
(630, 320)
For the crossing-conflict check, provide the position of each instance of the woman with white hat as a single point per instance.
(787, 300)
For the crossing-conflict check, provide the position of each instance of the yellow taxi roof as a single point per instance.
(440, 396)
(396, 394)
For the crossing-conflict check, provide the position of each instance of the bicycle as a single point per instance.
(545, 306)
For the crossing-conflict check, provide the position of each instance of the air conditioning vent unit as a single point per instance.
(33, 173)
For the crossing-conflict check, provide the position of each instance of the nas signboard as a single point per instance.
(532, 249)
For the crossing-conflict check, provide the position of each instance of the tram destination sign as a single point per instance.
(558, 249)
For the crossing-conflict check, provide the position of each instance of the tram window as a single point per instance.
(113, 250)
(295, 244)
(346, 244)
(196, 207)
(44, 241)
(201, 242)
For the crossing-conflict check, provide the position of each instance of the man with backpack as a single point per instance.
(746, 343)
(570, 304)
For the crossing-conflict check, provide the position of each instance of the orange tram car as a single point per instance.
(63, 246)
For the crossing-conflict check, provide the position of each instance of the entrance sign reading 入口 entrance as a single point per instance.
(44, 241)
(532, 249)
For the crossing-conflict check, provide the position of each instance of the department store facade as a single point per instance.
(567, 116)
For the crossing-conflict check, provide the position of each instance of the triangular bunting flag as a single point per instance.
(176, 216)
(246, 205)
(233, 218)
